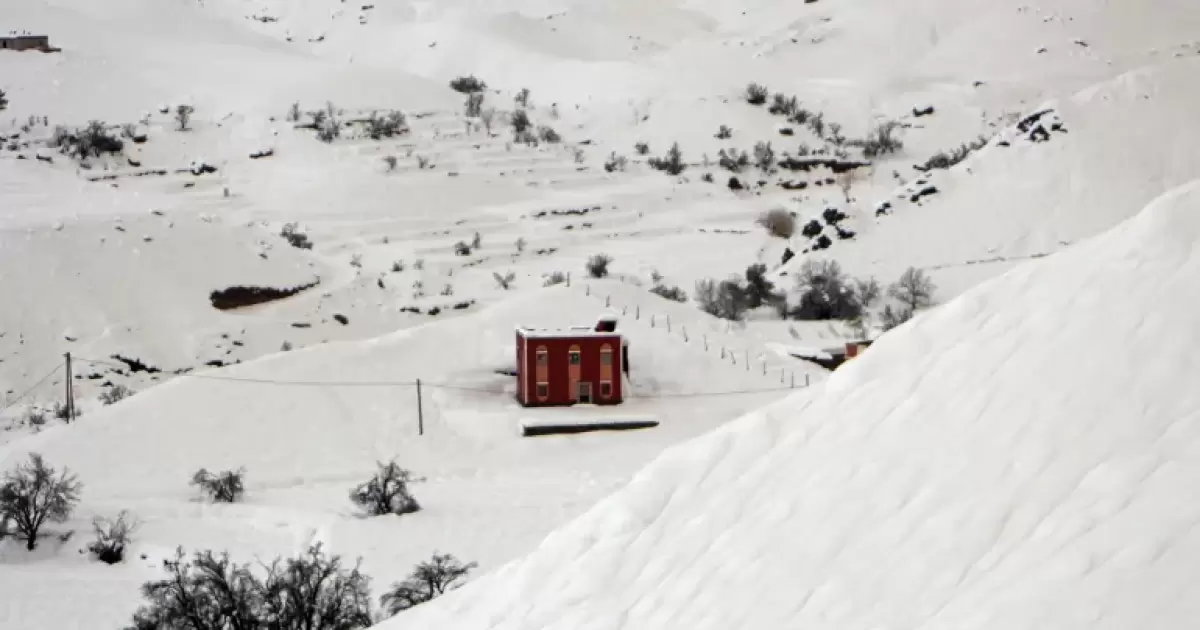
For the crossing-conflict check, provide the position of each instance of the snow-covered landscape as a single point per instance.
(253, 252)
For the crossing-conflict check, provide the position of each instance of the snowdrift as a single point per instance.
(1022, 457)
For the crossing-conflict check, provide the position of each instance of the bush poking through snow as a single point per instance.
(35, 418)
(914, 290)
(547, 134)
(555, 277)
(224, 487)
(641, 148)
(675, 294)
(468, 84)
(63, 412)
(881, 140)
(115, 394)
(756, 94)
(778, 222)
(671, 163)
(32, 494)
(724, 133)
(597, 265)
(781, 104)
(390, 162)
(3, 101)
(391, 124)
(956, 156)
(764, 156)
(725, 299)
(112, 537)
(520, 244)
(295, 237)
(293, 114)
(733, 160)
(504, 281)
(461, 248)
(387, 492)
(209, 592)
(429, 580)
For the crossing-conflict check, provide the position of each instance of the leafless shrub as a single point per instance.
(756, 94)
(223, 487)
(597, 265)
(115, 394)
(112, 537)
(504, 281)
(428, 581)
(390, 162)
(295, 237)
(555, 277)
(473, 106)
(387, 492)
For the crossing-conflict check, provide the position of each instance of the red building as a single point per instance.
(575, 365)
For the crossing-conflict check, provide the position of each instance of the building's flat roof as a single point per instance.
(576, 331)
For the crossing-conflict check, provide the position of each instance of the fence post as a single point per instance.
(624, 310)
(806, 380)
(637, 314)
(589, 290)
(764, 367)
(793, 380)
(420, 411)
(685, 337)
(608, 301)
(722, 352)
(668, 323)
(652, 320)
(706, 342)
(70, 391)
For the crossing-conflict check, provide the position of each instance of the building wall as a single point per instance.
(560, 376)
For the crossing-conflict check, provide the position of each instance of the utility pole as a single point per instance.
(420, 411)
(70, 391)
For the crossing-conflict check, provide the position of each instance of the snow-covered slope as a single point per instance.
(489, 495)
(1024, 457)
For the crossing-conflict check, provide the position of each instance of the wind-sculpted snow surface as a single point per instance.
(1022, 457)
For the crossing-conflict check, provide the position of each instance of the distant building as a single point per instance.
(573, 365)
(27, 42)
(855, 348)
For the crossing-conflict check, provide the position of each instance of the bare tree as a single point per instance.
(522, 98)
(914, 290)
(33, 494)
(429, 580)
(779, 222)
(387, 492)
(183, 116)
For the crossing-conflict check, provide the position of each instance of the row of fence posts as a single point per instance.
(683, 330)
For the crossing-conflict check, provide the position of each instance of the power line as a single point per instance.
(445, 386)
(31, 389)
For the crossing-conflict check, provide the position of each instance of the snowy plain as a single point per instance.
(1042, 417)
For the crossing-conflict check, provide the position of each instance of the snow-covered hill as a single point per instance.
(1014, 459)
(412, 255)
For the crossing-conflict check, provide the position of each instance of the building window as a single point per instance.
(574, 357)
(543, 357)
(605, 389)
(605, 356)
(543, 390)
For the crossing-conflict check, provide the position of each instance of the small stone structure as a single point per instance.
(39, 43)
